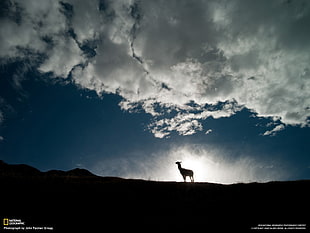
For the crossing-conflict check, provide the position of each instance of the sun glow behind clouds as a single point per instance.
(208, 168)
(209, 165)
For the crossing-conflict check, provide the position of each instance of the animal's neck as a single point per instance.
(179, 166)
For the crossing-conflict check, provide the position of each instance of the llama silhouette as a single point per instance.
(185, 172)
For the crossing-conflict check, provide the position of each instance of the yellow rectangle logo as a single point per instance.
(5, 221)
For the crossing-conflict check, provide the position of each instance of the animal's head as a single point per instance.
(178, 162)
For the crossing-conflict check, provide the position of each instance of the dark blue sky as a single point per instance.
(109, 87)
(54, 125)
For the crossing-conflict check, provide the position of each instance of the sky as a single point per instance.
(127, 88)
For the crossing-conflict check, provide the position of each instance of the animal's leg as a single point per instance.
(184, 178)
(192, 178)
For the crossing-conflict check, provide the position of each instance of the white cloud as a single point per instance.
(86, 19)
(267, 49)
(274, 130)
(14, 37)
(62, 59)
(187, 120)
(209, 131)
(163, 127)
(37, 21)
(164, 55)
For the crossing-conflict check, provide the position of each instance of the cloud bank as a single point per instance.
(180, 61)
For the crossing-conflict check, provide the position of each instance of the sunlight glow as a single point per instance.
(200, 169)
(208, 164)
(212, 165)
(205, 169)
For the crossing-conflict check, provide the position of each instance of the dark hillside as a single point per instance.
(77, 200)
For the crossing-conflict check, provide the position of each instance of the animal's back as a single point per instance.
(188, 172)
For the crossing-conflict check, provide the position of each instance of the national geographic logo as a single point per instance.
(5, 222)
(15, 224)
(14, 221)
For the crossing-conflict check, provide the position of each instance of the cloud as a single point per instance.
(27, 25)
(274, 130)
(63, 58)
(187, 119)
(268, 50)
(186, 58)
(209, 131)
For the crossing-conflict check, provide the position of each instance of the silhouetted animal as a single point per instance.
(185, 172)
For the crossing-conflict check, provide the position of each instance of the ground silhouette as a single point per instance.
(79, 200)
